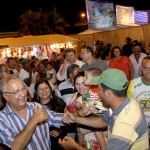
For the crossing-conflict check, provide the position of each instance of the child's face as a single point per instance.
(49, 67)
(41, 67)
(87, 78)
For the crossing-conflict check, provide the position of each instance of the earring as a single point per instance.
(38, 99)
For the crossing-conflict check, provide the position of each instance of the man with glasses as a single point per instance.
(87, 55)
(24, 125)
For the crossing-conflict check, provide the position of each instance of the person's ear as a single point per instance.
(5, 97)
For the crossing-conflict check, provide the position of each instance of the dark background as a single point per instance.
(69, 9)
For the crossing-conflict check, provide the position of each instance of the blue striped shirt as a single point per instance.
(12, 124)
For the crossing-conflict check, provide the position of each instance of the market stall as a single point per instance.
(40, 46)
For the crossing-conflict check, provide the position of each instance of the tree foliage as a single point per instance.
(41, 22)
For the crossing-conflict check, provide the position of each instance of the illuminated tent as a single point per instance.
(36, 40)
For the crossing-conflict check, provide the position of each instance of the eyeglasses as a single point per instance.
(17, 92)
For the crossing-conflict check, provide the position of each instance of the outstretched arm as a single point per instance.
(92, 121)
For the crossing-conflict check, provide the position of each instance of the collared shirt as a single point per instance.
(136, 64)
(127, 127)
(100, 64)
(12, 124)
(61, 78)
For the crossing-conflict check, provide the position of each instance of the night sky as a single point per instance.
(69, 9)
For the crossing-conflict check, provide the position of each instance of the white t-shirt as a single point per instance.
(141, 93)
(23, 74)
(61, 78)
(52, 71)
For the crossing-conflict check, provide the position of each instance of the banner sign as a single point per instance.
(100, 14)
(125, 15)
(141, 17)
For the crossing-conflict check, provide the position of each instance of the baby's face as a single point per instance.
(87, 78)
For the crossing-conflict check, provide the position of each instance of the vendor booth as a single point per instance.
(41, 46)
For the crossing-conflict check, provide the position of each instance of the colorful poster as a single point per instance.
(141, 17)
(125, 15)
(100, 14)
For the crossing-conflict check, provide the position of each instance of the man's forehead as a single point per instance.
(70, 53)
(146, 62)
(14, 82)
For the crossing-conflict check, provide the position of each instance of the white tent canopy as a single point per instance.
(36, 40)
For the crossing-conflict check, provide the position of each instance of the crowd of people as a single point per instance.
(97, 102)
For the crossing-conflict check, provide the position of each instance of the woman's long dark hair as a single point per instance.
(36, 98)
(57, 104)
(112, 52)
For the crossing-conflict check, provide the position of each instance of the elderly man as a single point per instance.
(70, 58)
(139, 89)
(127, 127)
(24, 125)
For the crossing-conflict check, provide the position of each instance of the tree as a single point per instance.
(40, 22)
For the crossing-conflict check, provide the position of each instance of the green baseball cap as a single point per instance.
(23, 61)
(112, 78)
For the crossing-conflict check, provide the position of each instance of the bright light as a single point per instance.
(34, 49)
(82, 15)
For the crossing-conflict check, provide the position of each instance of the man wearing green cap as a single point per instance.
(127, 127)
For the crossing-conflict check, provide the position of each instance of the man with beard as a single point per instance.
(127, 127)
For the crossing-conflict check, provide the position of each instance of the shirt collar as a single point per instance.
(119, 109)
(8, 109)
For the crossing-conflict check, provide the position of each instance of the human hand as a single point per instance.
(68, 143)
(65, 62)
(39, 114)
(85, 111)
(54, 133)
(68, 118)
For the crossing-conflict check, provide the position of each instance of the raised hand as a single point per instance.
(39, 114)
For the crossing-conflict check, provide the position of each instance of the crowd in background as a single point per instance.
(59, 81)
